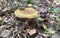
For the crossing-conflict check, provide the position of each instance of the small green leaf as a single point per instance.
(55, 10)
(31, 1)
(57, 18)
(49, 31)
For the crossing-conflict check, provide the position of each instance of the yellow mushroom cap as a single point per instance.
(27, 13)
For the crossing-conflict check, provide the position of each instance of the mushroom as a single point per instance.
(28, 13)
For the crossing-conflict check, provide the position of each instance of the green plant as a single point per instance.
(55, 10)
(31, 1)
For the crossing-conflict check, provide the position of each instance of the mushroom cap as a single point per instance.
(27, 13)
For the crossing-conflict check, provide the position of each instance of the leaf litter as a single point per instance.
(29, 18)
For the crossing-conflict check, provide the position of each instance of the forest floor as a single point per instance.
(29, 19)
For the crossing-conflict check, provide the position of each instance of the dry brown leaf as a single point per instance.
(31, 31)
(2, 26)
(11, 29)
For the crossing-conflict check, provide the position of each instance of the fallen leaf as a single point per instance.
(57, 2)
(2, 26)
(0, 19)
(45, 27)
(31, 31)
(29, 5)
